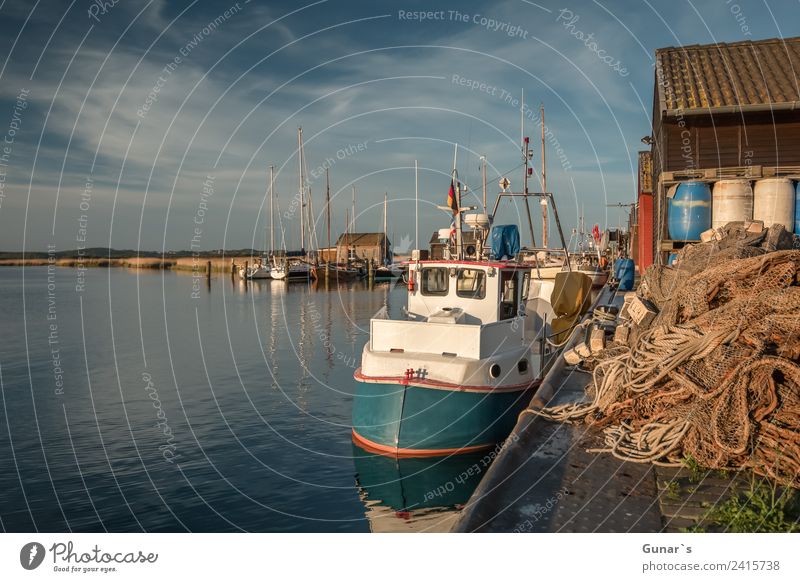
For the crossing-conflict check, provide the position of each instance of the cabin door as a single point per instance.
(509, 299)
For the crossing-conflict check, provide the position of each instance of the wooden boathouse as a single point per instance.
(719, 111)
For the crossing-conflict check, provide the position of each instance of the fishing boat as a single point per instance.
(453, 373)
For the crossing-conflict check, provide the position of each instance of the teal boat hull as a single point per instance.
(411, 420)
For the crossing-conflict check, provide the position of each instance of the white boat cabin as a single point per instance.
(467, 292)
(457, 309)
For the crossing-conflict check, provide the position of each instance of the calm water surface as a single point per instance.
(148, 402)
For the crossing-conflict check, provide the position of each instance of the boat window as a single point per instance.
(471, 283)
(434, 281)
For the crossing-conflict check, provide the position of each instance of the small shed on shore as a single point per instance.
(367, 246)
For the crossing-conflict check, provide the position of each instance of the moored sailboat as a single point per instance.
(295, 269)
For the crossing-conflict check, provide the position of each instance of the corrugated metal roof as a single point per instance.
(732, 76)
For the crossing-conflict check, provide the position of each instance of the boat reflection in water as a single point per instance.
(410, 494)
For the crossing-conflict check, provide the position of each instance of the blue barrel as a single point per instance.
(625, 271)
(689, 212)
(797, 207)
(671, 258)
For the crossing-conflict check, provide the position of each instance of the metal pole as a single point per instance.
(544, 184)
(560, 232)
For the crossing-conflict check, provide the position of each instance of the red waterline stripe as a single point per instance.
(373, 447)
(424, 383)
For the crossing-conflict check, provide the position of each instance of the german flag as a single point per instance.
(452, 200)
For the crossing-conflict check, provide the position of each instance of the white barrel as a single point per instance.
(731, 201)
(773, 202)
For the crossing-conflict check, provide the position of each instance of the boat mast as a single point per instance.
(384, 244)
(328, 211)
(526, 157)
(483, 171)
(271, 209)
(544, 182)
(353, 217)
(416, 205)
(302, 194)
(346, 239)
(459, 238)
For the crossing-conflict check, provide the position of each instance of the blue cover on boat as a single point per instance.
(505, 241)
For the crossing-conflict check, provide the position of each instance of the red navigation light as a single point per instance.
(527, 139)
(530, 171)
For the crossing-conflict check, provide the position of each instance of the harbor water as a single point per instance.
(158, 401)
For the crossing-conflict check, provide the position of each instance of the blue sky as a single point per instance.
(372, 84)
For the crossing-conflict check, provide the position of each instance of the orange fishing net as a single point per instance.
(715, 376)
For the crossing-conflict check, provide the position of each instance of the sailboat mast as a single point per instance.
(302, 194)
(353, 217)
(346, 239)
(328, 212)
(544, 183)
(271, 209)
(384, 245)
